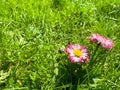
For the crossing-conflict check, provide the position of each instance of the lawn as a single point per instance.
(35, 33)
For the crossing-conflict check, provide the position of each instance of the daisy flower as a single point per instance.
(77, 53)
(96, 38)
(107, 44)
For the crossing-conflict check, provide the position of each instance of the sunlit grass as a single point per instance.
(33, 31)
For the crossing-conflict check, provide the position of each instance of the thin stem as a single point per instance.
(88, 75)
(94, 53)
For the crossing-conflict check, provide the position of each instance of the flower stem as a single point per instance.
(93, 55)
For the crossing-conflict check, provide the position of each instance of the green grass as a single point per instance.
(32, 31)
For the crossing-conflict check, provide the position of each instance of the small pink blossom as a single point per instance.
(107, 44)
(96, 38)
(77, 53)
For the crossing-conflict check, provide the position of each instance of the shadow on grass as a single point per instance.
(70, 75)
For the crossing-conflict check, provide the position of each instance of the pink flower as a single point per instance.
(107, 44)
(77, 53)
(96, 38)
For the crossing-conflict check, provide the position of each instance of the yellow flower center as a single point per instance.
(77, 53)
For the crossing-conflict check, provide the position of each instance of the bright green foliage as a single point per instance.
(32, 31)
